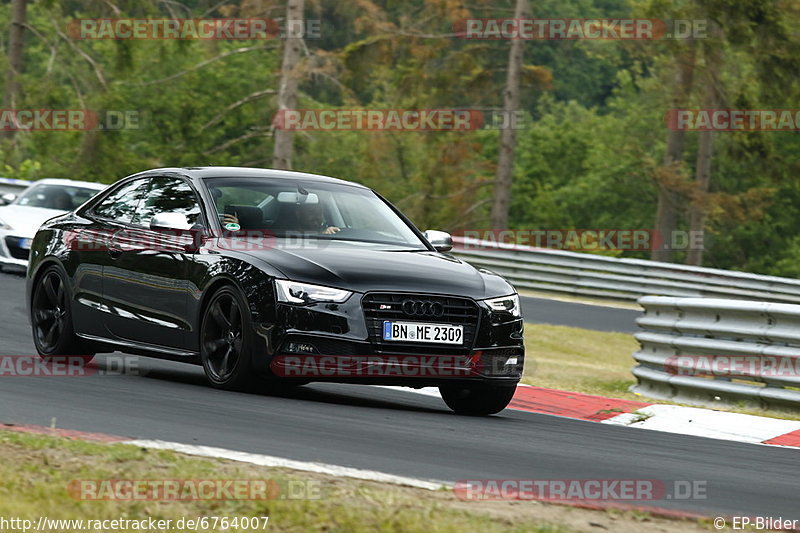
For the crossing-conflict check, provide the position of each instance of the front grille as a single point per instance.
(12, 243)
(440, 310)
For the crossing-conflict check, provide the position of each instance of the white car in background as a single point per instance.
(41, 201)
(10, 188)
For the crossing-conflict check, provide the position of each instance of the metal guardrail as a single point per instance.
(629, 279)
(707, 350)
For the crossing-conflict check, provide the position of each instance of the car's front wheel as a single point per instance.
(478, 399)
(225, 340)
(51, 318)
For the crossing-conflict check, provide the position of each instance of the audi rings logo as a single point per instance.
(421, 308)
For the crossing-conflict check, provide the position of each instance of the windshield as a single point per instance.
(309, 209)
(55, 196)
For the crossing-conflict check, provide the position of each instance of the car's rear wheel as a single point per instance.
(51, 318)
(225, 340)
(477, 400)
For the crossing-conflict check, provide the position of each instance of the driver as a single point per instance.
(59, 199)
(310, 218)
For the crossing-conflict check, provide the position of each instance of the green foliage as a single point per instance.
(27, 170)
(589, 156)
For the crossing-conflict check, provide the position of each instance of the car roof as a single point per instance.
(72, 183)
(15, 181)
(246, 172)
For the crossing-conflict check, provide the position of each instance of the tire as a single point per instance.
(477, 400)
(226, 343)
(51, 318)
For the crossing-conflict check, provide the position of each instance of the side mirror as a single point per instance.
(7, 198)
(440, 240)
(188, 237)
(170, 221)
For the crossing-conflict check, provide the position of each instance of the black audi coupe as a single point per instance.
(273, 278)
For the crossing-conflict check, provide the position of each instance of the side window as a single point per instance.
(121, 204)
(168, 195)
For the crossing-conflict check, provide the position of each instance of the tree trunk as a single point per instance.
(697, 211)
(287, 91)
(508, 135)
(702, 178)
(668, 199)
(15, 56)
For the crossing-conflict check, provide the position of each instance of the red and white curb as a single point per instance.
(712, 424)
(670, 418)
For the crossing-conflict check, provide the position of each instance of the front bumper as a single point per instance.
(341, 343)
(14, 250)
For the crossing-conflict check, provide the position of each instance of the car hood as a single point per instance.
(365, 270)
(25, 221)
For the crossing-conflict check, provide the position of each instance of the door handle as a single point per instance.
(113, 245)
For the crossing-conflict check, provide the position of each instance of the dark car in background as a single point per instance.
(273, 278)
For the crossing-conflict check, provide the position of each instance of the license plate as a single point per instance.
(423, 332)
(25, 244)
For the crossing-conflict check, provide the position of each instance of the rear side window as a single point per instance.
(121, 204)
(168, 195)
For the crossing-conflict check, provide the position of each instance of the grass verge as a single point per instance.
(36, 471)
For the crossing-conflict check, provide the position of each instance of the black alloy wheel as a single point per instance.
(51, 320)
(225, 346)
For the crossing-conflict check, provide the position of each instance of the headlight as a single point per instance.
(507, 304)
(304, 293)
(4, 225)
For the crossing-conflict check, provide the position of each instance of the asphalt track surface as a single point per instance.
(600, 318)
(388, 430)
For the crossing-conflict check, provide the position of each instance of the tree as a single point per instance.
(669, 198)
(287, 89)
(508, 137)
(15, 55)
(702, 178)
